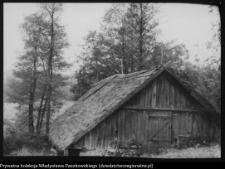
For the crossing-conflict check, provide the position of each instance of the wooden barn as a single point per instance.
(150, 108)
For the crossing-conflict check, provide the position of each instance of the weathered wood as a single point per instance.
(145, 114)
(167, 93)
(173, 123)
(154, 95)
(184, 123)
(161, 140)
(159, 95)
(159, 109)
(157, 131)
(178, 98)
(160, 116)
(181, 100)
(163, 93)
(150, 96)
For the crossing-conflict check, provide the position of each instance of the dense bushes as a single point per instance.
(15, 140)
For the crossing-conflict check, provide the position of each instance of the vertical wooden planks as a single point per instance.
(173, 99)
(158, 91)
(172, 126)
(178, 99)
(112, 130)
(87, 141)
(176, 124)
(154, 95)
(208, 127)
(143, 127)
(123, 123)
(150, 89)
(167, 95)
(185, 116)
(198, 124)
(141, 98)
(187, 103)
(106, 137)
(147, 96)
(165, 88)
(195, 123)
(139, 129)
(181, 100)
(180, 123)
(203, 126)
(119, 113)
(144, 97)
(162, 93)
(146, 127)
(189, 123)
(170, 97)
(127, 127)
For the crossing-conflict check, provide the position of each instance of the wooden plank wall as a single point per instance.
(131, 126)
(163, 93)
(126, 126)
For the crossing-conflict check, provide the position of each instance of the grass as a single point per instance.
(26, 151)
(200, 152)
(213, 151)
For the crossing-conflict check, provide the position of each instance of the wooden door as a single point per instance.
(159, 129)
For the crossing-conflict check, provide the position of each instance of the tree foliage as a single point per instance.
(127, 42)
(37, 75)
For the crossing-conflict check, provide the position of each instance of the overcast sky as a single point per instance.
(189, 24)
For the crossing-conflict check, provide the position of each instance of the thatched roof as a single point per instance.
(96, 104)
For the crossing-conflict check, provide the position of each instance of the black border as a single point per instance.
(113, 160)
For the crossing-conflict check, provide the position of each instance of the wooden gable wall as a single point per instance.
(164, 92)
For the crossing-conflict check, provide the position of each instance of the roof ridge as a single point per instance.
(142, 72)
(100, 87)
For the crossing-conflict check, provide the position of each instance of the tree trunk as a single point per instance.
(123, 53)
(48, 111)
(32, 92)
(39, 111)
(43, 114)
(141, 39)
(31, 118)
(50, 76)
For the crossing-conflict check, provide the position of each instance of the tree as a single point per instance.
(27, 67)
(125, 36)
(141, 20)
(57, 41)
(214, 45)
(40, 66)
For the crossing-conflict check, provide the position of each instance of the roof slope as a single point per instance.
(96, 104)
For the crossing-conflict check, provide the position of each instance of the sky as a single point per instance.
(189, 24)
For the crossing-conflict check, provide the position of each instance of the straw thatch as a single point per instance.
(96, 104)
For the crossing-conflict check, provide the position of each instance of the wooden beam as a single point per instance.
(160, 140)
(159, 109)
(161, 116)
